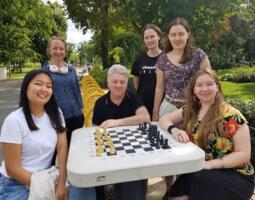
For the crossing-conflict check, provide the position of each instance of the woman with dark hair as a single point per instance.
(222, 132)
(175, 67)
(144, 67)
(66, 86)
(29, 136)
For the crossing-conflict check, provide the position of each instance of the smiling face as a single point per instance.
(151, 38)
(178, 37)
(57, 50)
(205, 89)
(39, 90)
(117, 84)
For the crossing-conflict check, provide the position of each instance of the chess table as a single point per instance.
(134, 157)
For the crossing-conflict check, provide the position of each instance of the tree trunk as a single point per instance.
(104, 35)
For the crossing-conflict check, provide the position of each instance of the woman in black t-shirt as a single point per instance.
(144, 67)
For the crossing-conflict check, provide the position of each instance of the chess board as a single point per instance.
(132, 140)
(137, 156)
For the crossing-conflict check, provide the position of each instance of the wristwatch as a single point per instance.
(169, 129)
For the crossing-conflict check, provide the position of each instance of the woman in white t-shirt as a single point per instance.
(29, 136)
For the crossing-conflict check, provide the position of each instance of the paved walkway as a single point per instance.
(9, 98)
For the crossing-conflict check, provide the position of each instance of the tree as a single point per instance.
(47, 21)
(98, 15)
(26, 25)
(14, 35)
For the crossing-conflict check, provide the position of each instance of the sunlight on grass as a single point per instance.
(25, 70)
(243, 91)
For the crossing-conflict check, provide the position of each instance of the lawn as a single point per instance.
(15, 75)
(242, 91)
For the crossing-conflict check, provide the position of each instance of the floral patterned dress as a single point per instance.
(220, 184)
(218, 146)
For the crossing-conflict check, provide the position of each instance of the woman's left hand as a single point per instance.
(61, 191)
(180, 135)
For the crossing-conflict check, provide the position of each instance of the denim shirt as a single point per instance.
(66, 90)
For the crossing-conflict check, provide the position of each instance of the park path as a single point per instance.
(9, 98)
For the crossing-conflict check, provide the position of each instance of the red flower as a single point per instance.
(231, 128)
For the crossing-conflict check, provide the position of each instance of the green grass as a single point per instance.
(16, 75)
(242, 91)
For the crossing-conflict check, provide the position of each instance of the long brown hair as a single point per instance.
(212, 119)
(187, 54)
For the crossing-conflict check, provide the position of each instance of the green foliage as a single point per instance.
(131, 44)
(87, 52)
(101, 16)
(116, 55)
(25, 26)
(100, 75)
(32, 65)
(247, 108)
(238, 74)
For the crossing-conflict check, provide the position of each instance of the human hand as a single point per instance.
(110, 123)
(180, 135)
(61, 191)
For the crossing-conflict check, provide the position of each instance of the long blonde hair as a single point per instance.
(212, 119)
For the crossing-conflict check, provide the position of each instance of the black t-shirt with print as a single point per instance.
(145, 68)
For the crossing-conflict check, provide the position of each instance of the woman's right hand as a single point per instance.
(180, 135)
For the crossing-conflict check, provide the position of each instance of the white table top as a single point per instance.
(85, 169)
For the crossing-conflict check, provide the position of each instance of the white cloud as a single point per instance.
(75, 35)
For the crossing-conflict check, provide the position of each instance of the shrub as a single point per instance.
(238, 74)
(247, 108)
(100, 75)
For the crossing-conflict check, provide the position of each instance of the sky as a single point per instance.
(74, 35)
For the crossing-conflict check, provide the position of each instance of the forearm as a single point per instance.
(136, 81)
(134, 120)
(164, 122)
(231, 160)
(19, 174)
(157, 99)
(62, 160)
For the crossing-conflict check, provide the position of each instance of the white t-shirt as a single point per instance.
(37, 147)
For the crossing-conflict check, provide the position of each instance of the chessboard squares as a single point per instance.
(130, 151)
(148, 149)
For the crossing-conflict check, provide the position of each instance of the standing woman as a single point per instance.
(175, 67)
(144, 68)
(66, 87)
(29, 136)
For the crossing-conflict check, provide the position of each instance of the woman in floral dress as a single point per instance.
(222, 132)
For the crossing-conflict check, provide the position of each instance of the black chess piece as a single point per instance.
(166, 146)
(161, 140)
(158, 145)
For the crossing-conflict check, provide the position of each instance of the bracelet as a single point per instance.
(169, 129)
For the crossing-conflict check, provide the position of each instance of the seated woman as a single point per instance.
(222, 132)
(29, 137)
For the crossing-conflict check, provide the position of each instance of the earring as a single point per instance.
(217, 97)
(194, 97)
